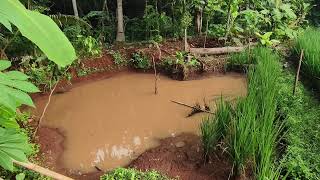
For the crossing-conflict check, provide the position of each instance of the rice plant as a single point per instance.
(309, 43)
(241, 137)
(255, 131)
(214, 128)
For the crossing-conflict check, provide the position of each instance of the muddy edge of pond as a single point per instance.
(176, 160)
(179, 156)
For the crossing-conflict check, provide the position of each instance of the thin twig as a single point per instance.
(192, 107)
(298, 72)
(159, 49)
(45, 109)
(155, 77)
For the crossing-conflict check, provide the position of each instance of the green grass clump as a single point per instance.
(309, 43)
(133, 174)
(241, 138)
(301, 157)
(255, 130)
(214, 128)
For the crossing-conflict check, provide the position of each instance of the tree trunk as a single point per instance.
(201, 20)
(216, 51)
(205, 37)
(198, 22)
(185, 39)
(75, 8)
(120, 29)
(228, 20)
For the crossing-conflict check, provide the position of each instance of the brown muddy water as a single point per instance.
(110, 122)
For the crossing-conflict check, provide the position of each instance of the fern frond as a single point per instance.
(62, 19)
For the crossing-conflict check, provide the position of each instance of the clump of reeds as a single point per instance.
(254, 130)
(214, 128)
(309, 43)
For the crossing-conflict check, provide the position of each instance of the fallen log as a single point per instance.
(217, 51)
(42, 170)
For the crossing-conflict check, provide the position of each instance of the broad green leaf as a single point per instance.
(7, 102)
(21, 85)
(16, 75)
(267, 35)
(20, 176)
(20, 96)
(8, 118)
(13, 145)
(41, 30)
(4, 64)
(9, 123)
(6, 161)
(288, 10)
(15, 153)
(5, 22)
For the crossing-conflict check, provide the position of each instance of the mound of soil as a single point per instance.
(182, 157)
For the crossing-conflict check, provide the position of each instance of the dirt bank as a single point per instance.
(181, 157)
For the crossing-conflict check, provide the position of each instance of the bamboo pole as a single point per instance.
(298, 72)
(42, 170)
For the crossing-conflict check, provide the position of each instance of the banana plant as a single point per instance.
(38, 28)
(14, 85)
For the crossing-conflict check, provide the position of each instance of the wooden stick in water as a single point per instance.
(298, 72)
(193, 107)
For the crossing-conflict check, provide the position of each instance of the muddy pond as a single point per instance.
(110, 122)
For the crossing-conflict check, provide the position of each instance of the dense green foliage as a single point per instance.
(140, 61)
(40, 29)
(14, 85)
(301, 158)
(14, 88)
(123, 173)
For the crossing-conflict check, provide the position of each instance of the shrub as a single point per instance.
(140, 61)
(118, 59)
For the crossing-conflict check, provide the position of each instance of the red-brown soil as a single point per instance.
(185, 162)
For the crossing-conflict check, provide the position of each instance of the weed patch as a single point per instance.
(123, 173)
